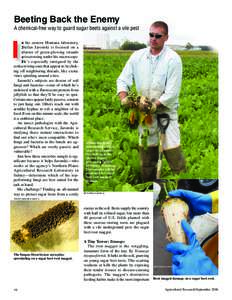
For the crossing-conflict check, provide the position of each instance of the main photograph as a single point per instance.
(150, 112)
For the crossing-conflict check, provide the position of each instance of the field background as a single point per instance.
(106, 121)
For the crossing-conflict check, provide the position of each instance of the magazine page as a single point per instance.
(111, 185)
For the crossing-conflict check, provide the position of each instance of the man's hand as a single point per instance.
(123, 97)
(190, 259)
(153, 108)
(126, 102)
(198, 203)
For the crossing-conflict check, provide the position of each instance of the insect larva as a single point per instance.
(44, 222)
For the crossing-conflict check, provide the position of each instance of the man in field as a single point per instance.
(157, 73)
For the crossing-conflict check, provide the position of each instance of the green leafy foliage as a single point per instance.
(106, 120)
(128, 45)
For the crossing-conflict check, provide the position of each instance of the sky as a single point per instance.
(195, 21)
(189, 25)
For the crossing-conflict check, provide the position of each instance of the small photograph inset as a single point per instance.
(42, 226)
(185, 227)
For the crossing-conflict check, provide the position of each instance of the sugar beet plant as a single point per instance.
(116, 167)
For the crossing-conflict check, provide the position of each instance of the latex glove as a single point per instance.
(198, 203)
(190, 259)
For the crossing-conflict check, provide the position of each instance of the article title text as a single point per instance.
(66, 19)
